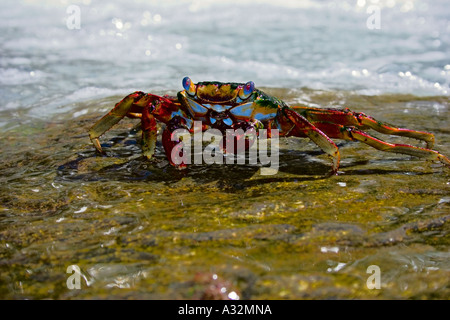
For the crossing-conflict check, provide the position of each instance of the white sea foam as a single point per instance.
(152, 45)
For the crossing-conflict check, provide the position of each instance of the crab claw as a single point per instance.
(240, 138)
(174, 146)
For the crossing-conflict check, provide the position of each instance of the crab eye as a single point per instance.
(247, 90)
(189, 86)
(186, 83)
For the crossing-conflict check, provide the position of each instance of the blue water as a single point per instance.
(126, 45)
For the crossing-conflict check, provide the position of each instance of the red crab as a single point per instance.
(225, 106)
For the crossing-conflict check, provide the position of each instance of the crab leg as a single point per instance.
(111, 118)
(360, 120)
(316, 135)
(149, 133)
(351, 133)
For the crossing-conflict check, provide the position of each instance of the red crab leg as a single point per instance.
(136, 105)
(114, 116)
(149, 133)
(360, 120)
(302, 125)
(350, 133)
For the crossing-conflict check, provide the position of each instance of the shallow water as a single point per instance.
(143, 230)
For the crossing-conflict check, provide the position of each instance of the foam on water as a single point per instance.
(151, 45)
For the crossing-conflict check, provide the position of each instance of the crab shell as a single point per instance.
(222, 106)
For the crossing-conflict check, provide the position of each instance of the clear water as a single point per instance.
(151, 45)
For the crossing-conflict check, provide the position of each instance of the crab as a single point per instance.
(229, 105)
